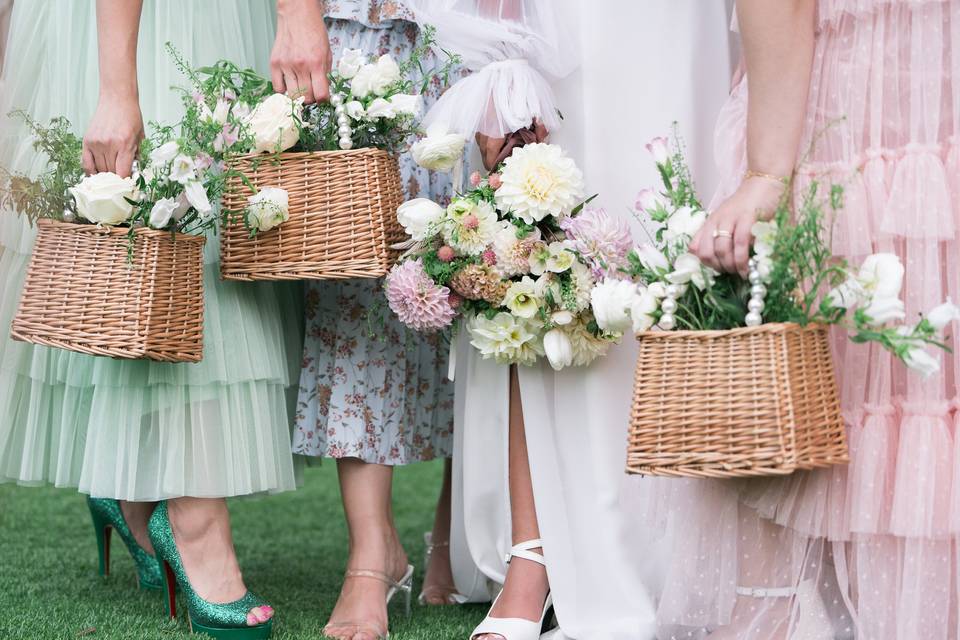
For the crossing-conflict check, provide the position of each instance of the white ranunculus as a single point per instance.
(685, 221)
(350, 62)
(268, 208)
(380, 108)
(164, 153)
(439, 151)
(355, 109)
(162, 212)
(102, 198)
(539, 180)
(197, 197)
(942, 315)
(406, 104)
(183, 169)
(642, 312)
(884, 310)
(918, 359)
(559, 349)
(419, 216)
(881, 275)
(612, 301)
(659, 148)
(651, 258)
(688, 269)
(375, 78)
(273, 123)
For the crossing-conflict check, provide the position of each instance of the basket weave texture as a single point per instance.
(83, 294)
(759, 401)
(343, 217)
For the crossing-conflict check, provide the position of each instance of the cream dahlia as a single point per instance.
(506, 338)
(586, 346)
(539, 180)
(418, 301)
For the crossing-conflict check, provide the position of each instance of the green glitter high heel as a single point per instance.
(107, 517)
(227, 621)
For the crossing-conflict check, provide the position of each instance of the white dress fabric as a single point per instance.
(642, 67)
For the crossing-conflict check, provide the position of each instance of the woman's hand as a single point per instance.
(496, 150)
(113, 136)
(301, 58)
(723, 243)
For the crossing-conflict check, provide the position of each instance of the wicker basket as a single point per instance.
(83, 294)
(343, 217)
(756, 401)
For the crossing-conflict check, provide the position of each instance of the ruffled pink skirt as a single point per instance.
(872, 549)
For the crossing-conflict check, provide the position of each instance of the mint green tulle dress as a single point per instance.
(137, 430)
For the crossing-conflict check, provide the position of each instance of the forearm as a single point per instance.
(118, 25)
(778, 44)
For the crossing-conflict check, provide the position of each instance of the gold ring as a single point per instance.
(722, 233)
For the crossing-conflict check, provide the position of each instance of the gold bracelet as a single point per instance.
(783, 180)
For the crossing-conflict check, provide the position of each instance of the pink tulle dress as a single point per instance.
(870, 550)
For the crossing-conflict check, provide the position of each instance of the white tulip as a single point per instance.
(162, 212)
(612, 302)
(419, 216)
(559, 350)
(268, 208)
(350, 62)
(439, 151)
(102, 198)
(659, 148)
(942, 315)
(273, 123)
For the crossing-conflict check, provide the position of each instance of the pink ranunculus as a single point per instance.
(475, 179)
(494, 181)
(446, 254)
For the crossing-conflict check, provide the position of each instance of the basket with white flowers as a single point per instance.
(735, 375)
(515, 260)
(117, 268)
(314, 189)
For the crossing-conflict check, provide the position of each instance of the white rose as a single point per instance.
(920, 361)
(688, 269)
(355, 109)
(197, 197)
(642, 311)
(183, 169)
(439, 151)
(404, 104)
(942, 315)
(651, 258)
(559, 350)
(388, 73)
(164, 153)
(269, 208)
(273, 123)
(380, 108)
(162, 212)
(684, 222)
(350, 62)
(102, 198)
(418, 216)
(884, 310)
(612, 301)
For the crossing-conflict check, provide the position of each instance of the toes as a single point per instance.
(259, 615)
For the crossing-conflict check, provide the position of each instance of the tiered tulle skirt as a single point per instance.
(139, 430)
(872, 549)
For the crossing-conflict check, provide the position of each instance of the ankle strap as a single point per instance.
(376, 575)
(524, 550)
(755, 592)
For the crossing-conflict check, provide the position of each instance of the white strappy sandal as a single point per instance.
(518, 628)
(813, 621)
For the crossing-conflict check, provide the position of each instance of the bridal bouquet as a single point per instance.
(794, 276)
(517, 259)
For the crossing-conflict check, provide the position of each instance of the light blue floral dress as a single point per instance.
(382, 398)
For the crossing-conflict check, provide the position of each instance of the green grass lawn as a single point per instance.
(292, 548)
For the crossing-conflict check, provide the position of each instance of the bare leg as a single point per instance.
(201, 527)
(526, 586)
(361, 612)
(136, 515)
(438, 587)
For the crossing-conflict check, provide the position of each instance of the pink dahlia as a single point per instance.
(602, 240)
(417, 300)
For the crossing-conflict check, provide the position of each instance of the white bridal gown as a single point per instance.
(641, 66)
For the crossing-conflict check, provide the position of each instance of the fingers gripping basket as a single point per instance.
(745, 402)
(343, 217)
(83, 294)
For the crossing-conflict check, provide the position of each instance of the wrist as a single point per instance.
(120, 92)
(285, 7)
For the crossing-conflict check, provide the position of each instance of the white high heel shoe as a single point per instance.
(813, 621)
(518, 628)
